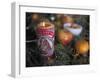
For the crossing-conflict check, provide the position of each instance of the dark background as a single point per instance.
(63, 55)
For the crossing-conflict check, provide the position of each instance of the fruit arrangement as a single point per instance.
(70, 39)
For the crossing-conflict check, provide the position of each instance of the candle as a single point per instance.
(75, 29)
(45, 33)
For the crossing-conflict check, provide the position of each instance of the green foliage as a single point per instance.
(64, 55)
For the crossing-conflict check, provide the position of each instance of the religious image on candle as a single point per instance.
(45, 33)
(57, 39)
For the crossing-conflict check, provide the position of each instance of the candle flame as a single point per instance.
(43, 23)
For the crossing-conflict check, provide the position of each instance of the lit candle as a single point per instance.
(46, 32)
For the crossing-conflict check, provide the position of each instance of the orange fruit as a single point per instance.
(35, 17)
(82, 46)
(64, 37)
(67, 19)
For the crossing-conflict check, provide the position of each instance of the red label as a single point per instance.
(45, 32)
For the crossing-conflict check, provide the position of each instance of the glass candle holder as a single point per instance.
(46, 33)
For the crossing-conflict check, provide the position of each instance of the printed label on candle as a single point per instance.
(46, 41)
(45, 32)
